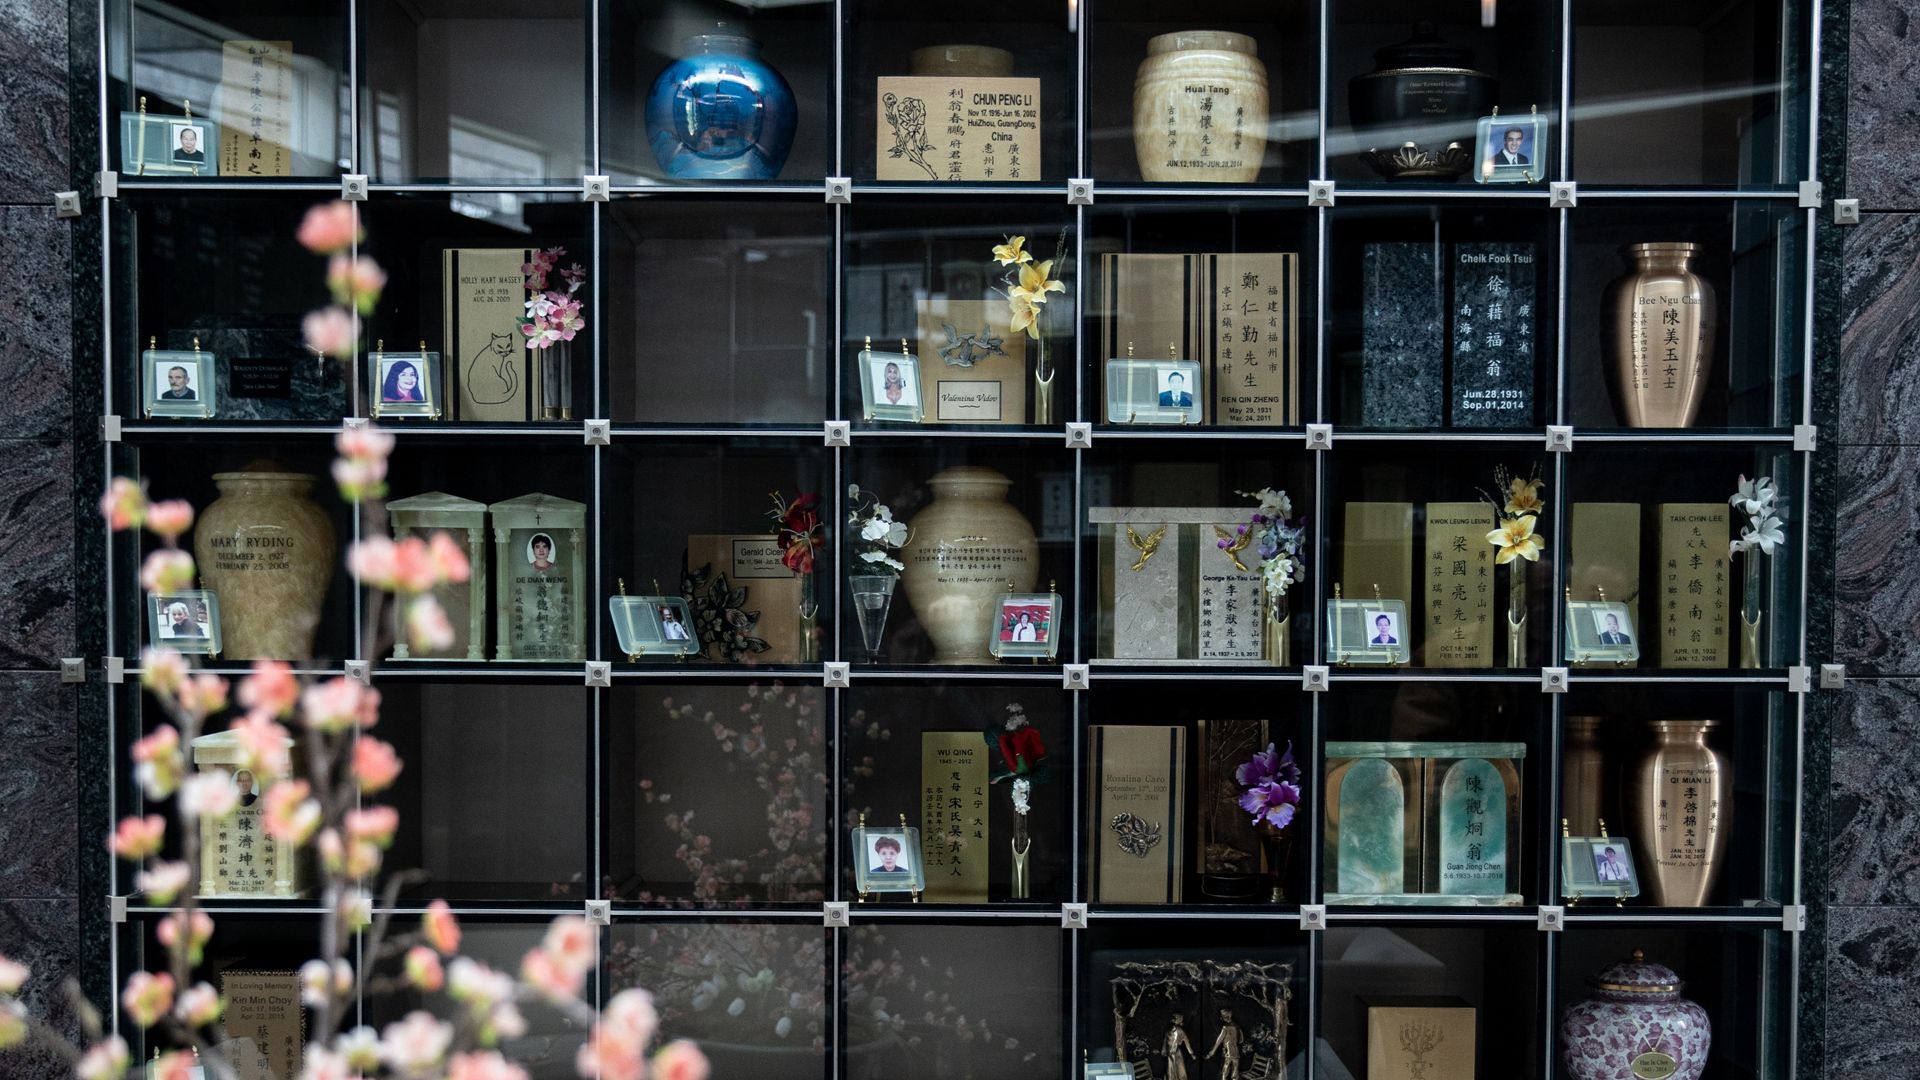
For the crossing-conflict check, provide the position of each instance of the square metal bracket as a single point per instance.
(836, 914)
(1806, 437)
(1793, 918)
(73, 669)
(1799, 680)
(1552, 918)
(1833, 676)
(114, 668)
(110, 428)
(1076, 677)
(1320, 193)
(1559, 439)
(1080, 191)
(596, 189)
(360, 671)
(1079, 436)
(837, 433)
(1313, 916)
(1073, 916)
(66, 204)
(355, 423)
(1811, 195)
(117, 909)
(837, 674)
(1316, 678)
(600, 912)
(1846, 211)
(1563, 195)
(1553, 680)
(353, 187)
(1319, 436)
(600, 673)
(597, 432)
(106, 185)
(839, 189)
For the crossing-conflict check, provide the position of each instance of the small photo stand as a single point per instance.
(186, 622)
(1107, 1070)
(178, 382)
(1601, 632)
(404, 384)
(153, 145)
(887, 860)
(1027, 626)
(1153, 392)
(1597, 866)
(653, 626)
(1511, 150)
(1367, 632)
(890, 386)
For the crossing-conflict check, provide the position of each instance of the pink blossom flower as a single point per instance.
(163, 881)
(314, 988)
(428, 628)
(374, 561)
(355, 282)
(374, 824)
(13, 1024)
(135, 838)
(161, 669)
(476, 985)
(331, 331)
(332, 852)
(174, 1066)
(288, 815)
(423, 969)
(147, 997)
(504, 1022)
(168, 570)
(440, 928)
(448, 558)
(158, 765)
(170, 518)
(330, 227)
(339, 704)
(680, 1060)
(263, 744)
(202, 932)
(570, 940)
(360, 479)
(375, 765)
(361, 1049)
(556, 981)
(13, 975)
(364, 444)
(356, 909)
(415, 1044)
(199, 1006)
(209, 794)
(104, 1060)
(271, 688)
(413, 571)
(609, 1055)
(124, 505)
(203, 695)
(483, 1065)
(325, 1064)
(631, 1013)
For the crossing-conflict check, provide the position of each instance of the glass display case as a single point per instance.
(1384, 503)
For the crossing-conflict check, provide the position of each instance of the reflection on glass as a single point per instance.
(926, 1002)
(1438, 1001)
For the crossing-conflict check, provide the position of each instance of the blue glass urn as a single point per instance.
(720, 112)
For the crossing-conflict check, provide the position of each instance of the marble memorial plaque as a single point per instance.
(953, 816)
(1372, 820)
(1493, 335)
(1232, 602)
(1695, 585)
(1458, 605)
(265, 1022)
(1473, 830)
(255, 106)
(1403, 340)
(268, 374)
(1146, 590)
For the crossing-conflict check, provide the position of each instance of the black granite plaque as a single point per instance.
(269, 374)
(259, 377)
(1403, 340)
(1493, 335)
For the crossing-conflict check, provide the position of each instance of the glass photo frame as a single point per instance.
(1593, 866)
(1107, 1070)
(886, 859)
(178, 382)
(1367, 632)
(1601, 632)
(890, 386)
(653, 626)
(1511, 150)
(153, 145)
(1028, 625)
(186, 622)
(404, 384)
(1153, 392)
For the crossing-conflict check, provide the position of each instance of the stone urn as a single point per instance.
(965, 551)
(266, 550)
(1200, 108)
(1636, 1026)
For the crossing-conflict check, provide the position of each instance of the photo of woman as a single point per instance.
(540, 552)
(891, 384)
(401, 384)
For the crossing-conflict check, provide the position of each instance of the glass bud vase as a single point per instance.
(872, 598)
(556, 381)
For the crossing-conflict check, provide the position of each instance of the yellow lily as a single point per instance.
(1009, 253)
(1515, 540)
(1035, 284)
(1523, 496)
(1025, 315)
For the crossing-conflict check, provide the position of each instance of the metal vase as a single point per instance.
(1043, 380)
(1021, 880)
(1583, 772)
(1681, 795)
(1517, 613)
(1275, 643)
(1752, 647)
(1660, 321)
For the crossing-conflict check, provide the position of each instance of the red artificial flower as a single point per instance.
(799, 533)
(1022, 749)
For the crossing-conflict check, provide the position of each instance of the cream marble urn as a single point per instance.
(965, 551)
(266, 550)
(1200, 108)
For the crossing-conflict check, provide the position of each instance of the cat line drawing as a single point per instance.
(492, 378)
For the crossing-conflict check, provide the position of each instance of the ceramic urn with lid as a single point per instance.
(1636, 1026)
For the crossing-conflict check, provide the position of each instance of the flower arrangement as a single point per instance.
(551, 314)
(1275, 539)
(1515, 517)
(1027, 285)
(1270, 783)
(1764, 529)
(798, 530)
(1023, 760)
(877, 536)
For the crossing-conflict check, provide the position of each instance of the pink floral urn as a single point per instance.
(1635, 1027)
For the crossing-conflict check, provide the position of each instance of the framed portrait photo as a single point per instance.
(1601, 632)
(404, 384)
(887, 859)
(186, 622)
(890, 386)
(178, 382)
(1367, 632)
(1511, 150)
(1026, 625)
(1153, 392)
(152, 145)
(1597, 866)
(653, 626)
(1107, 1070)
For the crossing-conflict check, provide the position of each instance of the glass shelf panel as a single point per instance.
(252, 960)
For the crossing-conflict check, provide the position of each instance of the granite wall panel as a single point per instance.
(1879, 384)
(1883, 99)
(1872, 995)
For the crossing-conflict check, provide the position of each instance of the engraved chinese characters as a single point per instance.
(1200, 108)
(1459, 599)
(237, 857)
(1693, 583)
(967, 549)
(958, 129)
(1473, 830)
(953, 816)
(1661, 319)
(540, 569)
(1493, 321)
(1680, 793)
